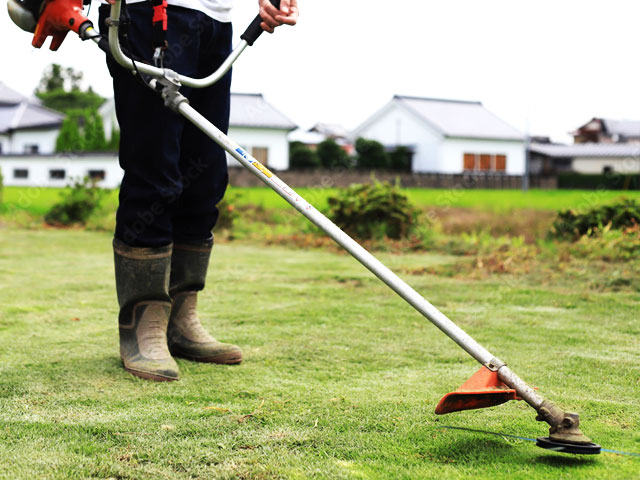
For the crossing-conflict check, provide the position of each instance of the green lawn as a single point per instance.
(38, 201)
(340, 378)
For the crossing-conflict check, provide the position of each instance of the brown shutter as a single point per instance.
(485, 162)
(501, 163)
(469, 161)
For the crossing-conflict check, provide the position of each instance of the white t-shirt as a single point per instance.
(217, 9)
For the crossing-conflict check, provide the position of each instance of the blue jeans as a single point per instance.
(174, 175)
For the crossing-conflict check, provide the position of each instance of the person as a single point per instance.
(174, 176)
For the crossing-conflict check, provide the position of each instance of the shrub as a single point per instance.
(1, 186)
(611, 181)
(302, 157)
(332, 155)
(400, 159)
(227, 212)
(373, 211)
(570, 224)
(77, 205)
(371, 154)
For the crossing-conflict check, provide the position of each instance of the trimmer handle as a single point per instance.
(254, 30)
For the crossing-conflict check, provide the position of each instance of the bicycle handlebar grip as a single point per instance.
(254, 30)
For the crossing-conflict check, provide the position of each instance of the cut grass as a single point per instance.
(340, 378)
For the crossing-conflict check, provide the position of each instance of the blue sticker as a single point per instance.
(242, 153)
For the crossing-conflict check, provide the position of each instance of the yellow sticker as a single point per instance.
(263, 169)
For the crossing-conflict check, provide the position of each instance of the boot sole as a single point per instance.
(231, 358)
(151, 376)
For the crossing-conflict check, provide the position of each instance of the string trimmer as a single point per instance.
(492, 385)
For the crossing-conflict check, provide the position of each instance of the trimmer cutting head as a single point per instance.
(563, 447)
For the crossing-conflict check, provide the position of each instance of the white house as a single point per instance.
(260, 129)
(256, 125)
(586, 158)
(26, 127)
(447, 136)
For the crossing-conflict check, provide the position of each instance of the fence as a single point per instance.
(344, 178)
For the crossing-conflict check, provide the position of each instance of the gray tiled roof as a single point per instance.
(9, 96)
(594, 150)
(462, 119)
(251, 110)
(26, 115)
(625, 128)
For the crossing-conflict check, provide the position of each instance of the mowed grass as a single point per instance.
(38, 201)
(340, 377)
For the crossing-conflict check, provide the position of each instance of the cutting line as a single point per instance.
(608, 450)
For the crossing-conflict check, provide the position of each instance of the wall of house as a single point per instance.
(4, 143)
(453, 150)
(597, 165)
(399, 127)
(45, 139)
(75, 167)
(274, 140)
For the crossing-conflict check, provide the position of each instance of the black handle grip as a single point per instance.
(254, 30)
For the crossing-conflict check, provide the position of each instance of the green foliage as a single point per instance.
(302, 157)
(60, 90)
(113, 145)
(65, 102)
(94, 140)
(228, 213)
(400, 159)
(77, 205)
(1, 186)
(611, 181)
(371, 155)
(69, 138)
(332, 155)
(571, 224)
(373, 211)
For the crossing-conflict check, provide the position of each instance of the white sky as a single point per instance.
(546, 66)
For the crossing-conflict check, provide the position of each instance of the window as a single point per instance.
(57, 174)
(31, 148)
(484, 162)
(20, 173)
(261, 154)
(97, 175)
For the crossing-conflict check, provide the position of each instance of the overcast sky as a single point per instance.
(545, 66)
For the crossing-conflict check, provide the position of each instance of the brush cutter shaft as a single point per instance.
(416, 300)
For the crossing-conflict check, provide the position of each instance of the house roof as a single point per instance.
(624, 128)
(18, 112)
(586, 150)
(460, 119)
(9, 96)
(251, 110)
(26, 115)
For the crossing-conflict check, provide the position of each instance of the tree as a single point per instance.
(302, 157)
(114, 142)
(94, 140)
(332, 155)
(69, 139)
(60, 89)
(371, 154)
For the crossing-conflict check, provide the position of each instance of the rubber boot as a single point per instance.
(142, 281)
(187, 337)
